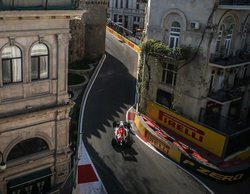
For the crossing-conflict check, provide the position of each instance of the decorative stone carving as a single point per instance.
(41, 38)
(12, 41)
(63, 39)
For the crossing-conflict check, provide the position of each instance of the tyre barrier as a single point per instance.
(193, 161)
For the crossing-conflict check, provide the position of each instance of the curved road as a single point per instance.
(135, 169)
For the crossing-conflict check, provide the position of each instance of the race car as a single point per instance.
(121, 132)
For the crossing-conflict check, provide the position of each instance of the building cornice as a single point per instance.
(97, 2)
(36, 113)
(235, 7)
(42, 14)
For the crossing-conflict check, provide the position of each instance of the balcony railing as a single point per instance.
(226, 125)
(37, 5)
(234, 2)
(241, 82)
(237, 60)
(223, 96)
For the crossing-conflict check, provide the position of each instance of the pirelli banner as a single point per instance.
(216, 175)
(196, 133)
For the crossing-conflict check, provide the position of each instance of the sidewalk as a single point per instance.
(88, 180)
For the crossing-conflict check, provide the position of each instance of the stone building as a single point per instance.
(34, 102)
(88, 31)
(128, 13)
(212, 87)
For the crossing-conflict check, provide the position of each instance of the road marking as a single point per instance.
(153, 149)
(86, 174)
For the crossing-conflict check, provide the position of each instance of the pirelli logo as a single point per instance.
(162, 146)
(181, 126)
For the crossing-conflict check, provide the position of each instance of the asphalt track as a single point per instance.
(135, 169)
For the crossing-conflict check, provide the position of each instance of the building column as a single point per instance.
(62, 67)
(63, 153)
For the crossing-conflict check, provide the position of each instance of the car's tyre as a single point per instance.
(113, 142)
(115, 124)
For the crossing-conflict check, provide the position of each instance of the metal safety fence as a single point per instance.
(133, 36)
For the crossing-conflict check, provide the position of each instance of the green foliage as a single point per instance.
(161, 50)
(162, 53)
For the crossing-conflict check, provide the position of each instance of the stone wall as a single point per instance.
(89, 31)
(77, 42)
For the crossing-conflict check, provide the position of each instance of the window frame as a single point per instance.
(116, 3)
(39, 63)
(137, 5)
(167, 71)
(245, 37)
(162, 95)
(11, 66)
(18, 151)
(174, 35)
(228, 40)
(115, 17)
(121, 4)
(219, 39)
(126, 4)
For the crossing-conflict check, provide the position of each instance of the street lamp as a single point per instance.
(2, 164)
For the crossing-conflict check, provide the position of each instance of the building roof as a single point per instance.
(37, 5)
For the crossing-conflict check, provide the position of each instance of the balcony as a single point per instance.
(225, 96)
(6, 5)
(241, 82)
(226, 125)
(234, 4)
(219, 60)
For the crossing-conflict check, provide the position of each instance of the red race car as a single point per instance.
(121, 132)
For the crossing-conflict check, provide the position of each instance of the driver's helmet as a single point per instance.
(121, 124)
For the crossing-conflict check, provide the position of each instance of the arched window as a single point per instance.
(218, 43)
(174, 35)
(246, 37)
(39, 62)
(225, 36)
(11, 64)
(27, 147)
(228, 39)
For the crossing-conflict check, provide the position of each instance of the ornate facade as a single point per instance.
(212, 86)
(34, 102)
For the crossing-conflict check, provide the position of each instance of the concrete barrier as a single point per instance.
(132, 45)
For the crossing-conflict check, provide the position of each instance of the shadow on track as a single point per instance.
(127, 151)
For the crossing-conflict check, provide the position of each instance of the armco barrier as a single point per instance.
(128, 42)
(156, 140)
(139, 125)
(216, 175)
(183, 159)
